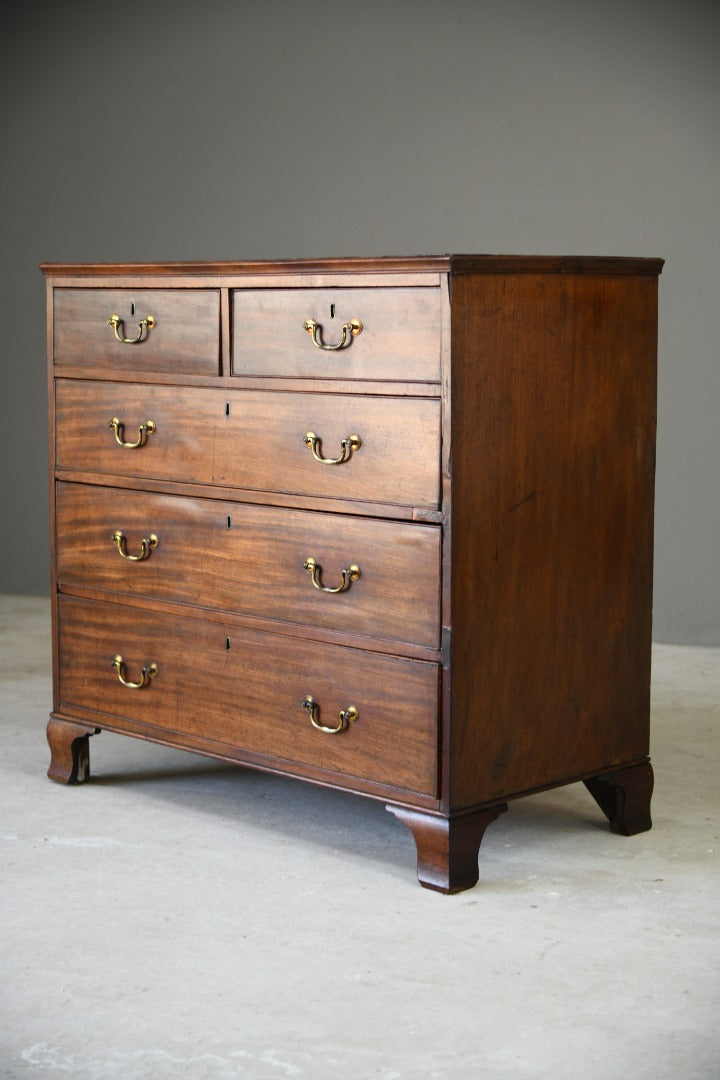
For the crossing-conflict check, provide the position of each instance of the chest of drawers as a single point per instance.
(381, 524)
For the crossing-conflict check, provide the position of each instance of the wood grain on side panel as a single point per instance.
(553, 412)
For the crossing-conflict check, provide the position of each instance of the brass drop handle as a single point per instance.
(146, 546)
(352, 442)
(147, 673)
(347, 716)
(348, 575)
(145, 325)
(148, 428)
(352, 328)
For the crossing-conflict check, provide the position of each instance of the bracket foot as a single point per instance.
(447, 848)
(69, 751)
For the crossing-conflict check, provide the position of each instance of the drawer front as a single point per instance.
(185, 337)
(251, 559)
(245, 689)
(254, 439)
(399, 339)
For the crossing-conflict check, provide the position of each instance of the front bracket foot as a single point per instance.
(447, 848)
(69, 751)
(624, 797)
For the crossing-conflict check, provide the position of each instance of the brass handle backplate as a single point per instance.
(347, 716)
(148, 672)
(148, 428)
(348, 575)
(349, 331)
(144, 326)
(352, 442)
(146, 546)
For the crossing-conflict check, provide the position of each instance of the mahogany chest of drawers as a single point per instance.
(382, 524)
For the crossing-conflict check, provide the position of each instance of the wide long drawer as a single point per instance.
(253, 559)
(252, 691)
(340, 333)
(253, 439)
(175, 330)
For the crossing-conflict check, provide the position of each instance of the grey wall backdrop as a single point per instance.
(277, 128)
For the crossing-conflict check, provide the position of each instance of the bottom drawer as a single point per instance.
(245, 689)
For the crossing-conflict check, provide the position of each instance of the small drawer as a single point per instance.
(244, 689)
(254, 560)
(173, 330)
(355, 333)
(254, 439)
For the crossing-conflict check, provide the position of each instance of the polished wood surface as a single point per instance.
(624, 797)
(185, 338)
(255, 439)
(388, 264)
(553, 451)
(447, 847)
(245, 689)
(500, 507)
(246, 558)
(70, 751)
(398, 340)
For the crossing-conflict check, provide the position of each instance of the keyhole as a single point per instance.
(227, 643)
(332, 311)
(132, 308)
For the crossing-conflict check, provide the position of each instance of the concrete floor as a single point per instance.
(183, 919)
